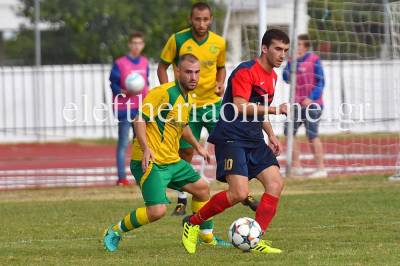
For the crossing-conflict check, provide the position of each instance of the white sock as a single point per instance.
(119, 228)
(182, 195)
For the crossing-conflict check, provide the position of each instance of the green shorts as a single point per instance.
(199, 118)
(154, 182)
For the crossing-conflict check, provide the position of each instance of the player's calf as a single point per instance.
(139, 217)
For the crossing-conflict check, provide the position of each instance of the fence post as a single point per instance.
(293, 68)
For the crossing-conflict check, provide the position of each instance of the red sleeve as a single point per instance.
(241, 84)
(275, 77)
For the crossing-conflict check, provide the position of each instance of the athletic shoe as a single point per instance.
(265, 247)
(111, 239)
(297, 172)
(180, 210)
(320, 173)
(124, 182)
(190, 235)
(216, 242)
(251, 202)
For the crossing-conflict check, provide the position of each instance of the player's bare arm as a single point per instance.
(221, 75)
(162, 72)
(274, 143)
(140, 132)
(282, 109)
(188, 136)
(244, 106)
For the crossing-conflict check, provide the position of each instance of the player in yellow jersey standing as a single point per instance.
(210, 49)
(162, 121)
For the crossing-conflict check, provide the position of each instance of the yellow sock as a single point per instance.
(132, 220)
(206, 237)
(206, 228)
(197, 205)
(117, 227)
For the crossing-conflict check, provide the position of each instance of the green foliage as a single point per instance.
(347, 29)
(94, 31)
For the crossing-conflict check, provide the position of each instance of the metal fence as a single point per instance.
(58, 103)
(74, 101)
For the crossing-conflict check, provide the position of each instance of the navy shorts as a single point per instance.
(310, 117)
(233, 159)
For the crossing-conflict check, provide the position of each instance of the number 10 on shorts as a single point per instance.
(228, 164)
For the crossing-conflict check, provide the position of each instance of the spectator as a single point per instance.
(308, 104)
(126, 105)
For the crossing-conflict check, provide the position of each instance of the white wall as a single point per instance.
(30, 114)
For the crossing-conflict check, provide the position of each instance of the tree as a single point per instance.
(347, 29)
(95, 31)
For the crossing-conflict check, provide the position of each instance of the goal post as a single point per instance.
(358, 43)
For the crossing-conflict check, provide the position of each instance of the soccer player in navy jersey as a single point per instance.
(240, 148)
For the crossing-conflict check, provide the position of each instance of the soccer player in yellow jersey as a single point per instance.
(156, 165)
(210, 49)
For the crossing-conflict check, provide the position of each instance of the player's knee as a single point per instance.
(203, 193)
(238, 195)
(276, 185)
(312, 139)
(156, 212)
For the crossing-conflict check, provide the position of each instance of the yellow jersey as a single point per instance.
(210, 52)
(166, 111)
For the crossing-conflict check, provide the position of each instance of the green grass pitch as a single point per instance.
(337, 221)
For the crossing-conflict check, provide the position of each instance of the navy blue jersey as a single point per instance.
(256, 85)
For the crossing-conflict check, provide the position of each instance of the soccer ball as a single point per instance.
(244, 233)
(134, 83)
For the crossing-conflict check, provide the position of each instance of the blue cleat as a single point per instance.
(111, 239)
(217, 242)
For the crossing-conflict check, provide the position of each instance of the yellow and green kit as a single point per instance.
(211, 53)
(166, 110)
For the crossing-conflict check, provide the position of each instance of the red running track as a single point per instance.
(58, 161)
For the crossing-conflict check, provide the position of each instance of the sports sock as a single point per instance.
(266, 210)
(217, 204)
(117, 227)
(182, 198)
(206, 228)
(132, 220)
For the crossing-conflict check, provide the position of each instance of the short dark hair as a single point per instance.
(274, 34)
(200, 6)
(306, 38)
(136, 34)
(188, 57)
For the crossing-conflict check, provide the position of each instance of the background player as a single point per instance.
(155, 163)
(123, 66)
(210, 49)
(309, 104)
(240, 148)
